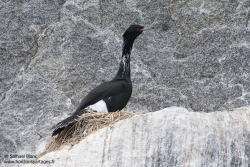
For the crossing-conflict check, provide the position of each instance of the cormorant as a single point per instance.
(113, 95)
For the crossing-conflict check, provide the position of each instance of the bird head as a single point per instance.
(133, 32)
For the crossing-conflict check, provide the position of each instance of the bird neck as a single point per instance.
(124, 68)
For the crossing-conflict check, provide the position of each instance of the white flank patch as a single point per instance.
(100, 106)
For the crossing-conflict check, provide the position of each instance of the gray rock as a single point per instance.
(29, 111)
(21, 24)
(197, 57)
(170, 137)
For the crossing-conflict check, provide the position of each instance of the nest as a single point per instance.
(85, 125)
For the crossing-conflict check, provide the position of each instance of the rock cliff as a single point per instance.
(53, 52)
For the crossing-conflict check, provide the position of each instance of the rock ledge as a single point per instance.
(169, 137)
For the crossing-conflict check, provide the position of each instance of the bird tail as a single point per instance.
(66, 122)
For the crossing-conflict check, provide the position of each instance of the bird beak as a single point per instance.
(143, 29)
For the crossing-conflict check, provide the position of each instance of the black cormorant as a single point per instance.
(113, 95)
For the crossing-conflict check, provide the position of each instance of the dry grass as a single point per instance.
(85, 125)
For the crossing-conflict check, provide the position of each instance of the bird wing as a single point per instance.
(100, 92)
